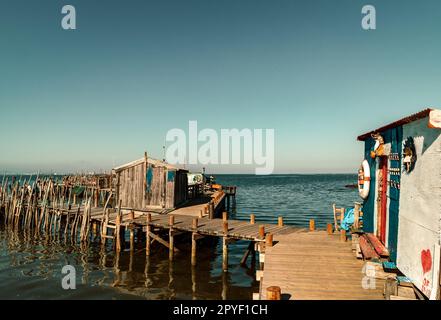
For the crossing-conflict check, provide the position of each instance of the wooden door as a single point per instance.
(382, 200)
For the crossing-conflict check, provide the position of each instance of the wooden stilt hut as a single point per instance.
(149, 184)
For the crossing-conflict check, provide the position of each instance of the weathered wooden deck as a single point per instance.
(237, 229)
(316, 266)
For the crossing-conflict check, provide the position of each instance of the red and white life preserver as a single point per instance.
(364, 180)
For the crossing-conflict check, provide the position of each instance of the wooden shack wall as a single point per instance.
(144, 186)
(181, 188)
(131, 186)
(170, 189)
(155, 186)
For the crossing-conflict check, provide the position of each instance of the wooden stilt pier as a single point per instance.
(54, 208)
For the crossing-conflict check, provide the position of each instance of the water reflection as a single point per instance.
(27, 258)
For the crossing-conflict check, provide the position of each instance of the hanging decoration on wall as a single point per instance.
(409, 155)
(394, 171)
(394, 157)
(394, 184)
(378, 147)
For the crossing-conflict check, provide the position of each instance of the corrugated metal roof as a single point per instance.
(419, 115)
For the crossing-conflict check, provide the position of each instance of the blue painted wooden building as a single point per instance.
(403, 205)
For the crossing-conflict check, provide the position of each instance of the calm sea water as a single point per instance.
(30, 266)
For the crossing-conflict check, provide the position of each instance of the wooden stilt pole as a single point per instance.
(252, 219)
(96, 198)
(193, 248)
(171, 238)
(224, 286)
(247, 253)
(132, 239)
(147, 238)
(343, 235)
(329, 228)
(280, 222)
(269, 239)
(311, 225)
(211, 210)
(225, 227)
(273, 293)
(225, 254)
(118, 229)
(262, 232)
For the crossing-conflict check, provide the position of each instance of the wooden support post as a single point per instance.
(118, 232)
(273, 293)
(225, 254)
(123, 237)
(171, 220)
(171, 250)
(252, 219)
(171, 244)
(193, 282)
(96, 198)
(343, 235)
(132, 215)
(247, 253)
(269, 239)
(193, 248)
(311, 225)
(329, 228)
(211, 210)
(224, 286)
(147, 238)
(225, 227)
(94, 227)
(132, 239)
(262, 232)
(224, 216)
(195, 224)
(201, 214)
(280, 222)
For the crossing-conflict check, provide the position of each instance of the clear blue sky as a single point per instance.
(104, 93)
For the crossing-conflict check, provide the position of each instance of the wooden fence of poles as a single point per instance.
(44, 205)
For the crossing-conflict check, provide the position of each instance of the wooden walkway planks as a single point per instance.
(316, 266)
(237, 229)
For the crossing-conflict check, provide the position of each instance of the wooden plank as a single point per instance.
(367, 249)
(378, 246)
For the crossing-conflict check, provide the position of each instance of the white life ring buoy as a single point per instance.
(364, 179)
